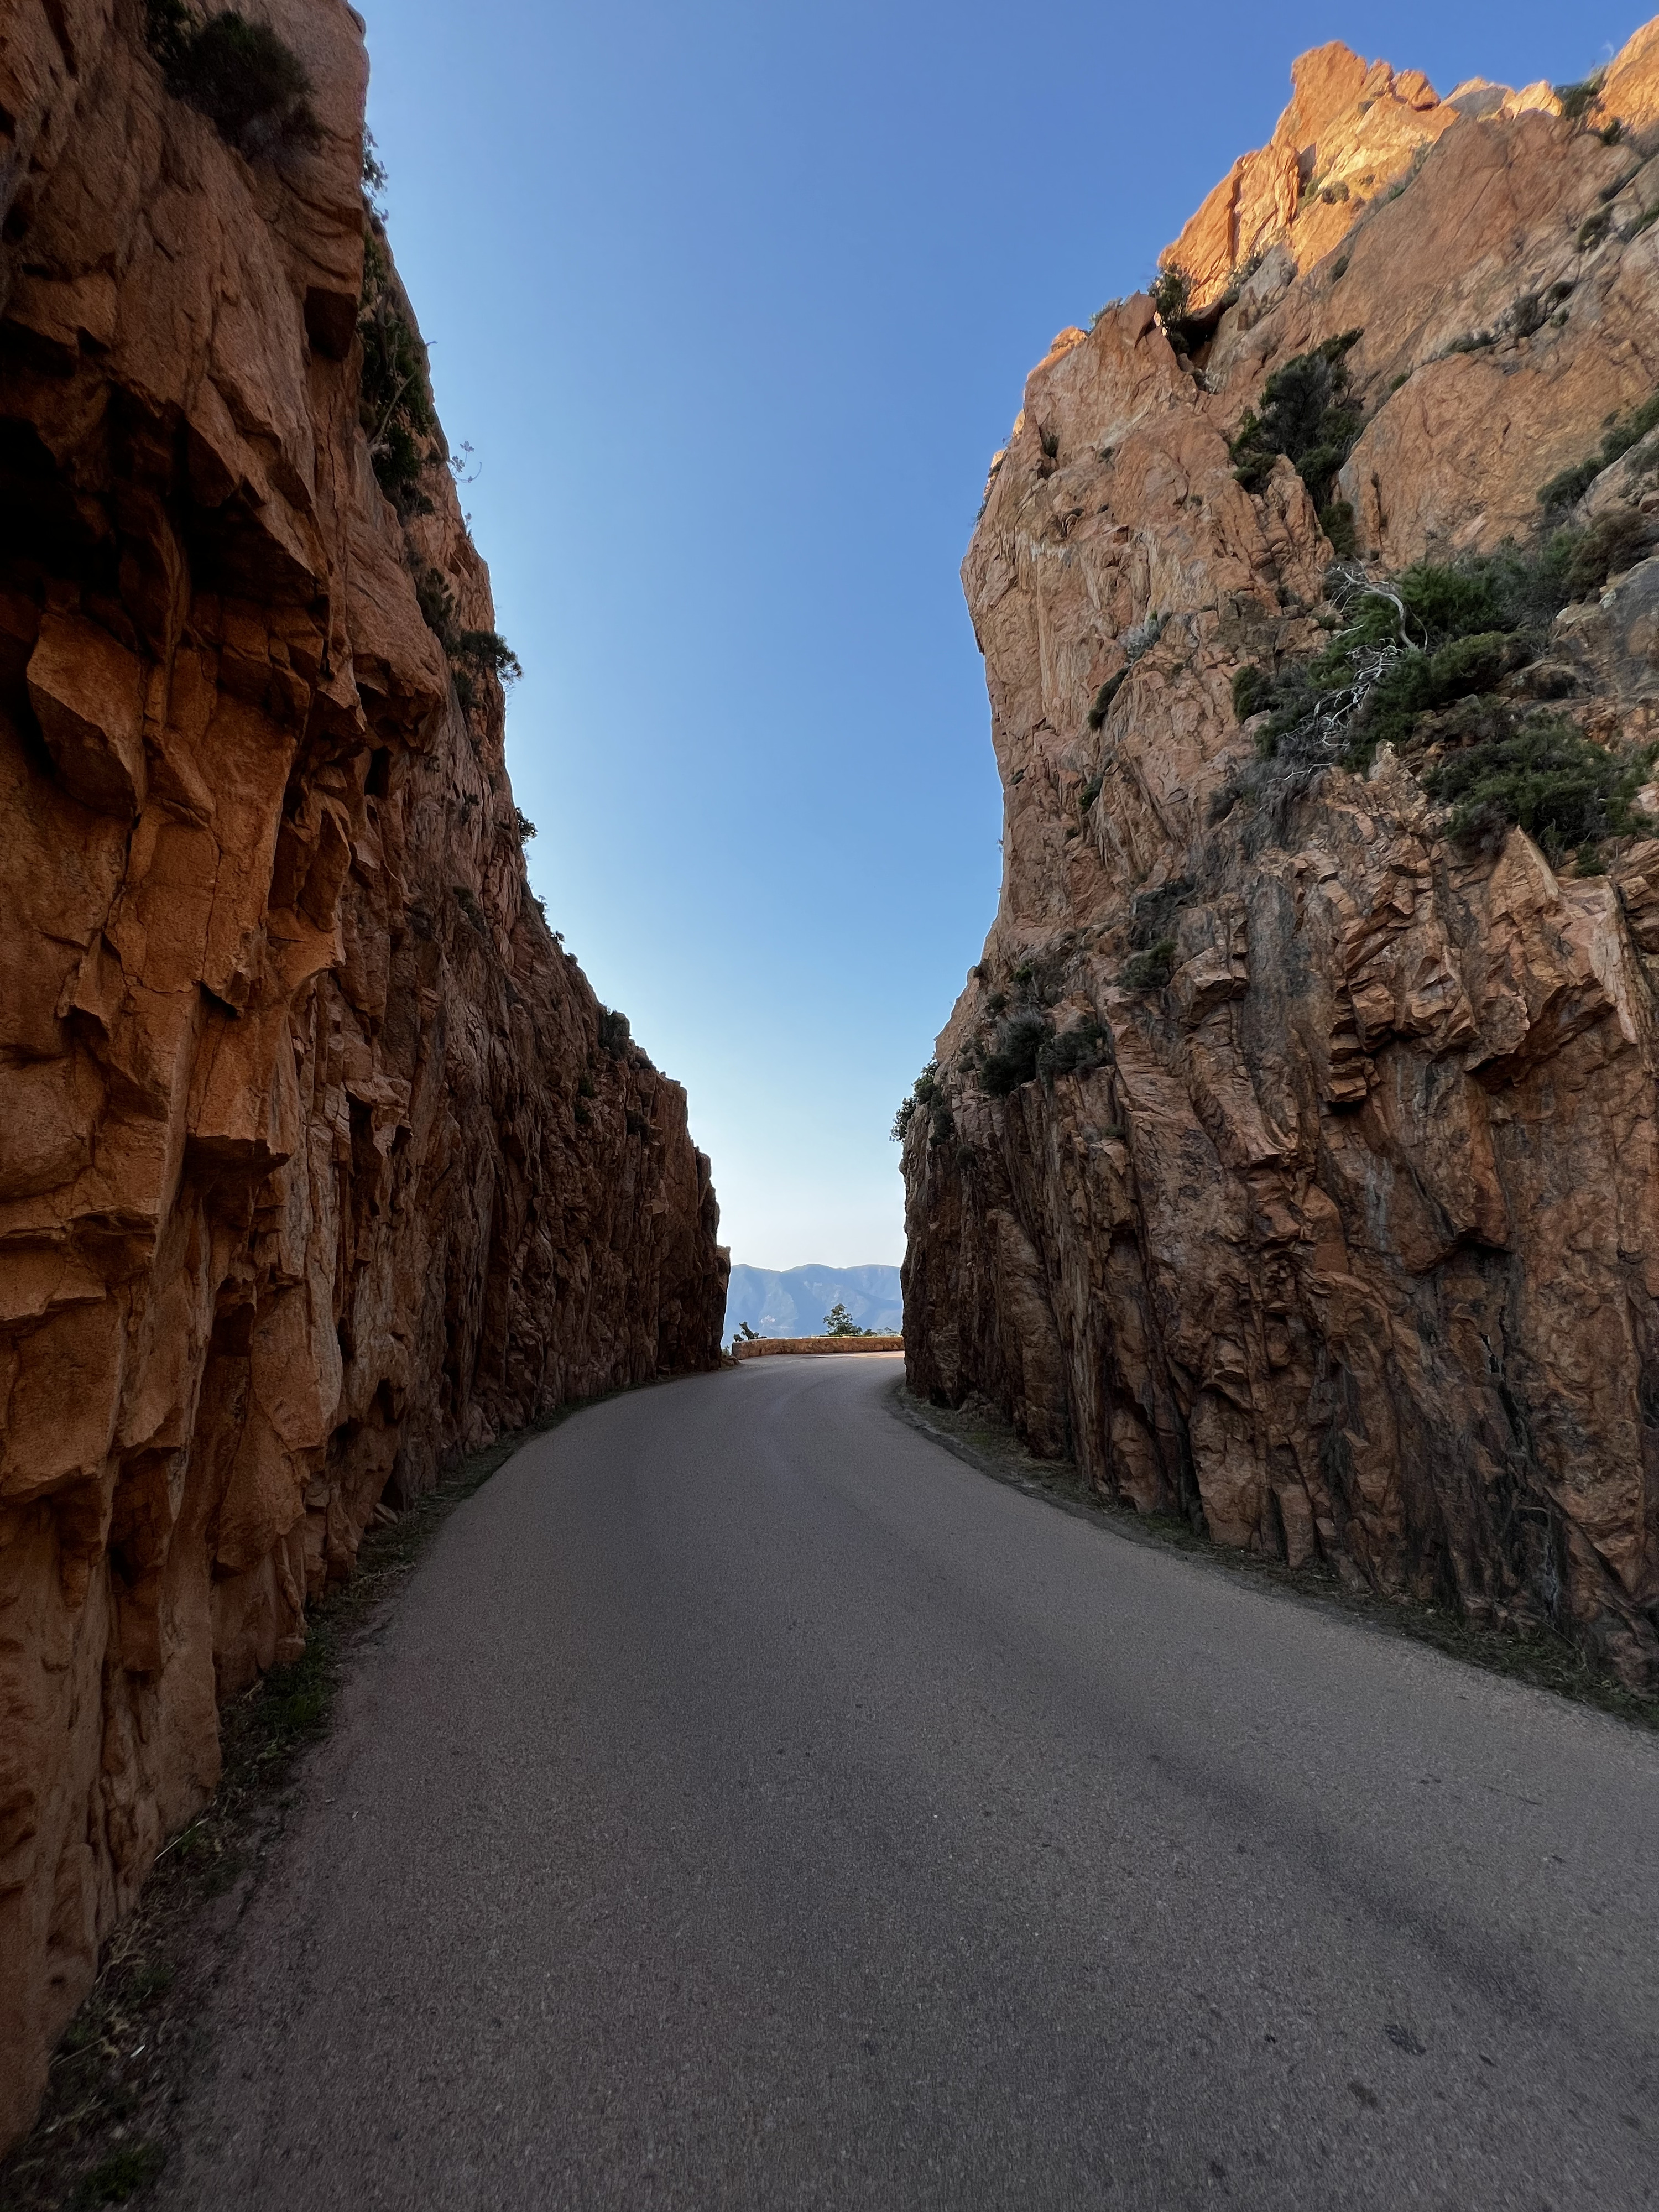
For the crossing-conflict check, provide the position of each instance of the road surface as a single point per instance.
(751, 1805)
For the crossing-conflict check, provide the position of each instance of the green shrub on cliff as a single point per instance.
(1613, 541)
(1013, 1059)
(1074, 1051)
(1578, 99)
(395, 398)
(922, 1093)
(1027, 1049)
(471, 653)
(1103, 698)
(1305, 414)
(1152, 913)
(249, 83)
(1544, 775)
(375, 178)
(1170, 290)
(1569, 487)
(1253, 691)
(1435, 634)
(1151, 969)
(1425, 662)
(437, 604)
(487, 652)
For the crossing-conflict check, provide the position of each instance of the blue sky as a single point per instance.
(734, 303)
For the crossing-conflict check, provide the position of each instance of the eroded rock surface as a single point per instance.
(319, 1158)
(1333, 1224)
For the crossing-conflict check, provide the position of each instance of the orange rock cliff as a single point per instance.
(319, 1158)
(1290, 1154)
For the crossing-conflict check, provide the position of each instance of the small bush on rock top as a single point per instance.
(921, 1092)
(486, 650)
(375, 176)
(1171, 290)
(1578, 99)
(249, 83)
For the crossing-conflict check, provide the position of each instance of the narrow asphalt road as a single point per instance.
(752, 1805)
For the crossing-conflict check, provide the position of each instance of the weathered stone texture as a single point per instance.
(1348, 1247)
(318, 1161)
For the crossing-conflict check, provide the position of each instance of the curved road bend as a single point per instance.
(752, 1806)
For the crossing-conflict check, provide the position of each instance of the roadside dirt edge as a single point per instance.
(976, 1434)
(119, 2075)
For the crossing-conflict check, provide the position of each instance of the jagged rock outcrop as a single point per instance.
(1290, 1157)
(319, 1158)
(1349, 133)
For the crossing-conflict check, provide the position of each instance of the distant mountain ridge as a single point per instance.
(793, 1301)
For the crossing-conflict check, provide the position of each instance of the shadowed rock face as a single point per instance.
(1346, 1243)
(316, 1160)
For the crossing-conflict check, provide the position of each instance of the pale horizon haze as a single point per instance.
(733, 304)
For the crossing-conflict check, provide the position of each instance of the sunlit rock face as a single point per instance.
(319, 1159)
(1322, 1207)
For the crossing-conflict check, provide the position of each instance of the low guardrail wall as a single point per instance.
(759, 1345)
